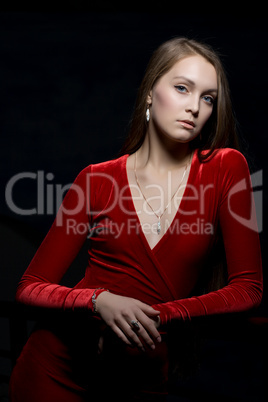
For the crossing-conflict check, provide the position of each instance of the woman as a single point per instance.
(155, 218)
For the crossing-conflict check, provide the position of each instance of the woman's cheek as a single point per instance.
(163, 110)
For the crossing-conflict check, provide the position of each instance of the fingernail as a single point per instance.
(153, 347)
(159, 339)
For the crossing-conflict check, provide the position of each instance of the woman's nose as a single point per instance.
(193, 105)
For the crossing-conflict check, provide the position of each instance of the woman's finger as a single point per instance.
(137, 334)
(149, 325)
(100, 344)
(133, 333)
(144, 335)
(118, 331)
(148, 310)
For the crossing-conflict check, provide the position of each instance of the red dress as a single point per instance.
(217, 203)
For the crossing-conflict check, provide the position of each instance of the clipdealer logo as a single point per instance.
(49, 197)
(255, 220)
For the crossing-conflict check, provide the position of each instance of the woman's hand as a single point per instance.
(118, 312)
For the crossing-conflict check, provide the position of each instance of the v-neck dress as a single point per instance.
(217, 206)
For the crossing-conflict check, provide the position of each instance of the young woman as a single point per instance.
(156, 218)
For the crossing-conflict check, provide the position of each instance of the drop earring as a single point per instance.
(147, 114)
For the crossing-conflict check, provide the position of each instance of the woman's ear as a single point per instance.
(149, 98)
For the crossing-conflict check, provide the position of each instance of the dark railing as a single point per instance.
(248, 330)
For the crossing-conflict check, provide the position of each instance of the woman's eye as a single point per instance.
(181, 88)
(208, 99)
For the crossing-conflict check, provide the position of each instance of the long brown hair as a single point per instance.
(219, 131)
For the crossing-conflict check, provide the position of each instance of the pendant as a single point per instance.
(158, 227)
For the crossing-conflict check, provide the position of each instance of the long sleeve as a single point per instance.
(39, 285)
(237, 222)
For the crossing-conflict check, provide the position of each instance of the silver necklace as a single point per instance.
(160, 216)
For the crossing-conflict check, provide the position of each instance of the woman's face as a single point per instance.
(182, 99)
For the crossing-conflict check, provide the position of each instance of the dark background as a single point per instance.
(68, 83)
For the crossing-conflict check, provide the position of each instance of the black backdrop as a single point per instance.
(68, 85)
(69, 81)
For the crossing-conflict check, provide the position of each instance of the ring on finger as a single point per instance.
(134, 324)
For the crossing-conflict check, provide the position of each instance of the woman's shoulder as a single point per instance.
(227, 164)
(107, 166)
(226, 158)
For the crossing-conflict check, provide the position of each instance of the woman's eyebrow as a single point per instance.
(185, 79)
(182, 77)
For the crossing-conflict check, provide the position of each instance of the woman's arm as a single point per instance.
(39, 285)
(237, 221)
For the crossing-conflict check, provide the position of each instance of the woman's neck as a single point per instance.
(162, 156)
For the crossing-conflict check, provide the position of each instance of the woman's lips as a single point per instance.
(187, 124)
